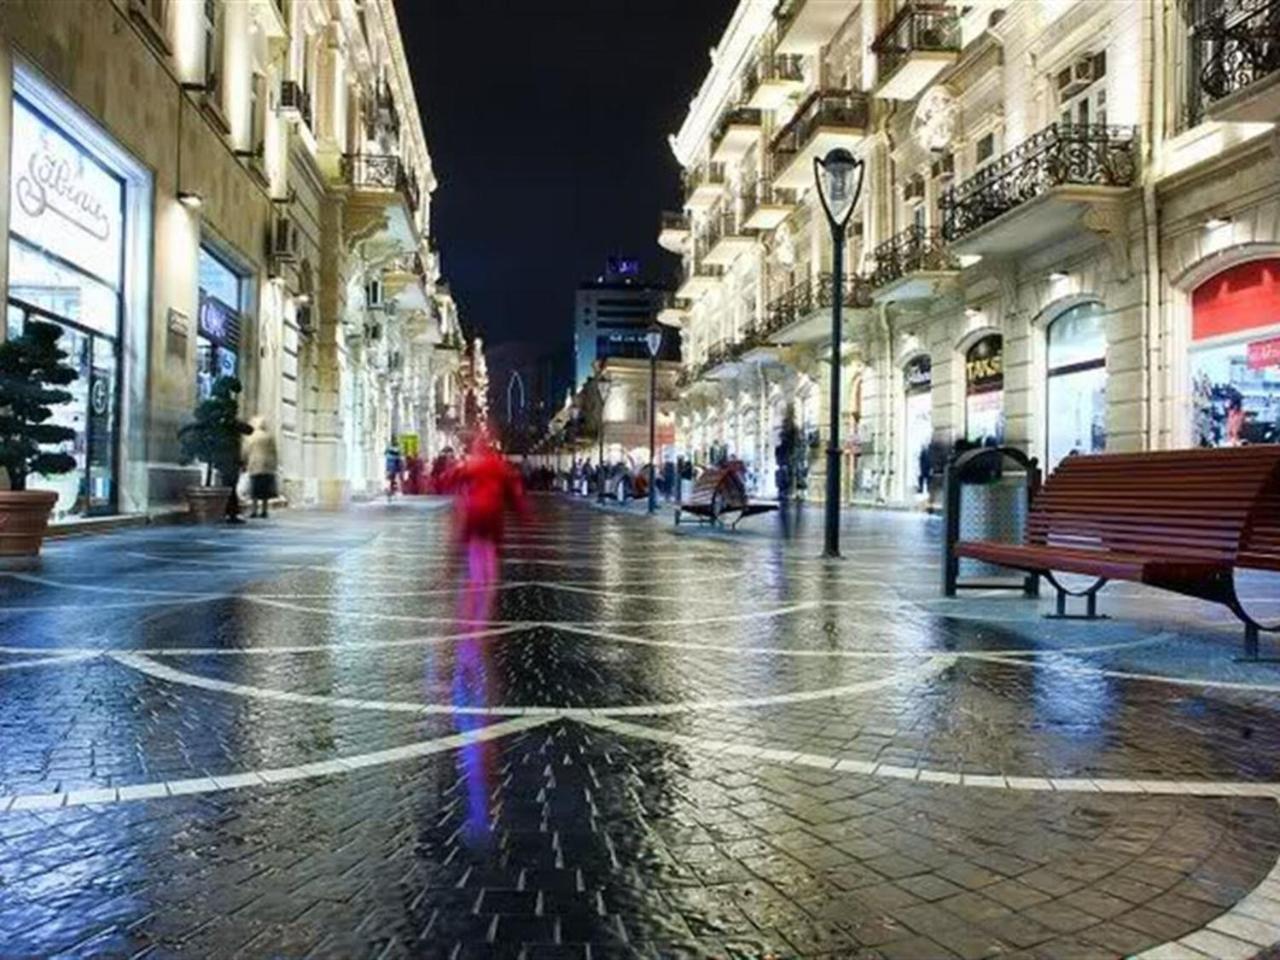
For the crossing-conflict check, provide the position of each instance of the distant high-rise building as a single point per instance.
(611, 314)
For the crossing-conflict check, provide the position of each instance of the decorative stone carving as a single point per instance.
(1110, 222)
(936, 119)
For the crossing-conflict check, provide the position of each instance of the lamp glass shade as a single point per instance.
(653, 340)
(839, 176)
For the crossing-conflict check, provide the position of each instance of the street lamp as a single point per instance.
(653, 340)
(839, 175)
(603, 386)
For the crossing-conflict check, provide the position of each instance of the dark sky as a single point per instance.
(547, 123)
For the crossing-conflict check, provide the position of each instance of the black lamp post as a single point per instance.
(653, 340)
(603, 386)
(839, 175)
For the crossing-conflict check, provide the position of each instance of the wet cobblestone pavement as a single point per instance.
(311, 738)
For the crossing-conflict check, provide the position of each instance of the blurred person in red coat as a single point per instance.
(487, 487)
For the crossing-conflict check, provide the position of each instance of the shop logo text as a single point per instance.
(50, 184)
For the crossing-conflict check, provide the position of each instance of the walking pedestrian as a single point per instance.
(394, 467)
(261, 464)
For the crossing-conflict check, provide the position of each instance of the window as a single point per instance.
(257, 114)
(984, 150)
(153, 17)
(1235, 356)
(66, 267)
(1082, 90)
(918, 387)
(218, 323)
(1076, 387)
(212, 43)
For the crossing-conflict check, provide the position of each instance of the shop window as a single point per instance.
(1235, 356)
(918, 427)
(218, 323)
(66, 265)
(984, 392)
(1076, 386)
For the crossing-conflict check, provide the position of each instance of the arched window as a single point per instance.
(1076, 390)
(984, 391)
(1235, 356)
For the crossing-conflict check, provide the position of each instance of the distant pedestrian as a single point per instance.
(261, 463)
(394, 462)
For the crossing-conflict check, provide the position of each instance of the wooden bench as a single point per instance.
(719, 491)
(1180, 520)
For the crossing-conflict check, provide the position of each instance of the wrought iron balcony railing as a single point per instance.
(1235, 43)
(806, 296)
(772, 67)
(824, 108)
(379, 171)
(917, 28)
(910, 251)
(294, 98)
(1061, 153)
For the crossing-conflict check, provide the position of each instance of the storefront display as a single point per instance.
(218, 323)
(66, 262)
(918, 387)
(1235, 356)
(1076, 386)
(984, 392)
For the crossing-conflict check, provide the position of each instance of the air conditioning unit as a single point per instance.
(913, 190)
(373, 295)
(1080, 75)
(284, 240)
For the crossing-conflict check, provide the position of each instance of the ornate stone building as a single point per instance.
(1067, 238)
(201, 187)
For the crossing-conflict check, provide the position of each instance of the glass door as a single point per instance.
(90, 488)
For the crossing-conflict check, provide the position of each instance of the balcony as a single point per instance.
(700, 281)
(675, 313)
(803, 313)
(804, 26)
(773, 80)
(828, 119)
(912, 265)
(382, 198)
(1236, 44)
(295, 102)
(1041, 189)
(919, 43)
(736, 133)
(766, 206)
(725, 239)
(703, 186)
(673, 234)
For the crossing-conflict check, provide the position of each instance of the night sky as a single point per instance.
(547, 124)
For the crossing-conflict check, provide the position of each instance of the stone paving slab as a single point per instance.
(288, 740)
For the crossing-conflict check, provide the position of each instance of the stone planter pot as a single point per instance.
(208, 504)
(24, 518)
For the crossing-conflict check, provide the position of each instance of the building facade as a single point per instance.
(611, 314)
(1067, 239)
(195, 188)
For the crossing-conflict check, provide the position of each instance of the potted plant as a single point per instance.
(31, 375)
(213, 438)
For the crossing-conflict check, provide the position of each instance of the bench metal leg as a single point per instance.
(1090, 599)
(1252, 628)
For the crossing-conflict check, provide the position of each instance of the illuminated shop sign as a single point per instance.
(62, 199)
(984, 365)
(1262, 354)
(218, 322)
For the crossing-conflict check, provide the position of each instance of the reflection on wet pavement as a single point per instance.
(328, 736)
